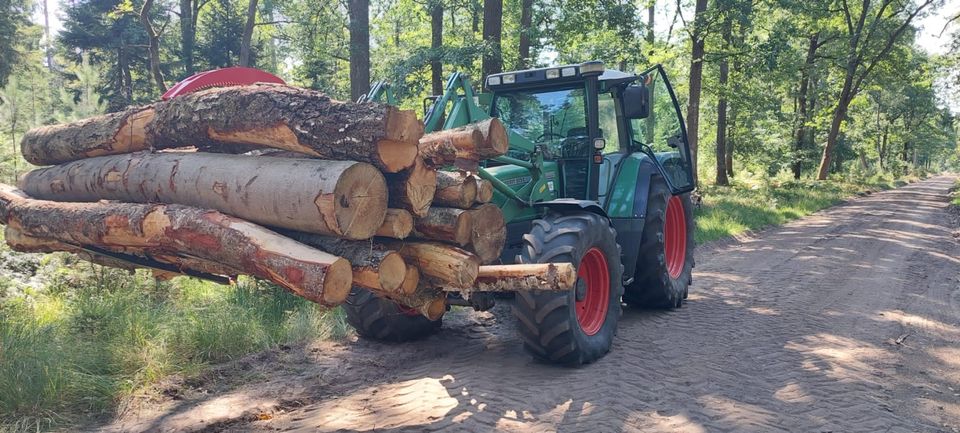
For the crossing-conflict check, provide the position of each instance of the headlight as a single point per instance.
(553, 73)
(568, 72)
(509, 79)
(493, 81)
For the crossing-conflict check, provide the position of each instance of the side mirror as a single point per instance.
(636, 102)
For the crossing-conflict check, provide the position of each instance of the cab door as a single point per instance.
(662, 135)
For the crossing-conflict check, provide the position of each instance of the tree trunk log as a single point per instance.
(496, 142)
(413, 189)
(455, 189)
(446, 263)
(108, 134)
(337, 198)
(173, 230)
(537, 276)
(484, 190)
(283, 117)
(488, 232)
(374, 267)
(397, 224)
(464, 140)
(411, 280)
(437, 152)
(446, 225)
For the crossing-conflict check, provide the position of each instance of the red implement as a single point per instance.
(236, 76)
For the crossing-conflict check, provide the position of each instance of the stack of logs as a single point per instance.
(277, 182)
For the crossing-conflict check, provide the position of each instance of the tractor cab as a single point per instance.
(589, 120)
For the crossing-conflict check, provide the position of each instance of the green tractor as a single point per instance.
(598, 174)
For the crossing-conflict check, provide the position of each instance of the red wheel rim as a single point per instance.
(592, 309)
(675, 237)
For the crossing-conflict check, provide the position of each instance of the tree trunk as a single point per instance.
(839, 113)
(436, 45)
(374, 267)
(338, 198)
(397, 224)
(696, 82)
(109, 134)
(359, 11)
(48, 42)
(803, 116)
(413, 189)
(170, 230)
(537, 276)
(492, 61)
(526, 28)
(154, 45)
(289, 118)
(651, 14)
(444, 224)
(721, 150)
(437, 152)
(446, 263)
(455, 189)
(247, 37)
(188, 35)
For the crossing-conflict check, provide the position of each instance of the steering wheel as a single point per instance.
(548, 134)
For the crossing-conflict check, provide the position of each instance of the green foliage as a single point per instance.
(89, 336)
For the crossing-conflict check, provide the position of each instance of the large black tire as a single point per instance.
(548, 321)
(381, 319)
(653, 285)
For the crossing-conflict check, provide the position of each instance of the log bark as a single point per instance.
(289, 118)
(456, 189)
(445, 263)
(173, 230)
(374, 267)
(496, 142)
(465, 141)
(488, 232)
(437, 152)
(397, 224)
(537, 276)
(109, 134)
(446, 225)
(484, 190)
(337, 198)
(413, 189)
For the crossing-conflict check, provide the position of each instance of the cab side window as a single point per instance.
(607, 112)
(662, 132)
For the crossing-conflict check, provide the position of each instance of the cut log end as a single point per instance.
(360, 200)
(403, 126)
(397, 224)
(414, 188)
(488, 233)
(484, 191)
(434, 309)
(396, 155)
(445, 224)
(410, 281)
(393, 271)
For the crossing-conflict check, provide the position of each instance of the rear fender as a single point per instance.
(562, 205)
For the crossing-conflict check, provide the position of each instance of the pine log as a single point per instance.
(456, 189)
(437, 152)
(397, 224)
(411, 280)
(464, 140)
(537, 276)
(338, 198)
(446, 263)
(109, 134)
(484, 190)
(488, 232)
(445, 224)
(413, 189)
(374, 267)
(289, 118)
(174, 230)
(496, 142)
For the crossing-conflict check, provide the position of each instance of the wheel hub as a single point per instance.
(675, 237)
(592, 307)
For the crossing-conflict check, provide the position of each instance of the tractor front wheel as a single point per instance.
(381, 319)
(574, 327)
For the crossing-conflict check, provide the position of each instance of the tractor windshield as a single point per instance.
(554, 117)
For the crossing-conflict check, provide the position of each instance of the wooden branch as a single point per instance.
(537, 276)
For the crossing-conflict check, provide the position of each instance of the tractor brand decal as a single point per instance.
(550, 185)
(517, 181)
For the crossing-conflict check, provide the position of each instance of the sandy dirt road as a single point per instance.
(844, 321)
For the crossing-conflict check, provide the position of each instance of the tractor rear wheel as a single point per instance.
(665, 263)
(381, 319)
(574, 327)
